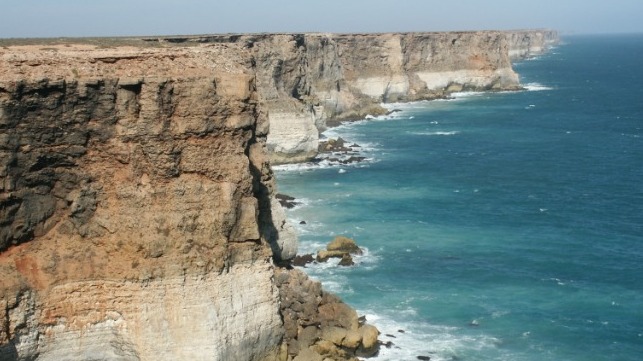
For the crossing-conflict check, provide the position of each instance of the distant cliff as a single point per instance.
(524, 44)
(339, 77)
(310, 81)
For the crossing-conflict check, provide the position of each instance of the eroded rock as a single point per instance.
(322, 321)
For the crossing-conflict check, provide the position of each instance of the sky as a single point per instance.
(77, 18)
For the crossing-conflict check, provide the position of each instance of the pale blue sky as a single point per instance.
(55, 18)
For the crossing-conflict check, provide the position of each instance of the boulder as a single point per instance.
(339, 315)
(331, 350)
(334, 334)
(308, 354)
(323, 256)
(352, 340)
(370, 345)
(344, 244)
(308, 336)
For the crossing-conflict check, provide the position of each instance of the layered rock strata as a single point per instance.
(310, 81)
(137, 213)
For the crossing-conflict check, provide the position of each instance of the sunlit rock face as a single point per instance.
(136, 205)
(310, 81)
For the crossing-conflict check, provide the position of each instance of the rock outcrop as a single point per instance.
(319, 326)
(138, 220)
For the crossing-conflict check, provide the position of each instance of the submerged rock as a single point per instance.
(303, 260)
(286, 201)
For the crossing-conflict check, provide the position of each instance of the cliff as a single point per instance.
(137, 211)
(136, 206)
(311, 81)
(525, 44)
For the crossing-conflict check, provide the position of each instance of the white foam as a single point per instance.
(460, 95)
(301, 167)
(536, 87)
(422, 339)
(454, 132)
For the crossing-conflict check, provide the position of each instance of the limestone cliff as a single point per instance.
(334, 77)
(135, 202)
(528, 43)
(309, 81)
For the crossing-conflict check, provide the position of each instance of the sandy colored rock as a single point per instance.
(323, 256)
(310, 81)
(335, 335)
(528, 43)
(308, 354)
(322, 316)
(353, 339)
(344, 244)
(135, 193)
(369, 346)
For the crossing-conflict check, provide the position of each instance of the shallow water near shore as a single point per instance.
(498, 226)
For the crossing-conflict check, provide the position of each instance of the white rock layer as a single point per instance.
(232, 316)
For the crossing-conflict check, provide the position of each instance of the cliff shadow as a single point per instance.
(267, 219)
(9, 352)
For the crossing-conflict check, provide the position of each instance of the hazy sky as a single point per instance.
(56, 18)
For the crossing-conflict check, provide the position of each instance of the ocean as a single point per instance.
(497, 226)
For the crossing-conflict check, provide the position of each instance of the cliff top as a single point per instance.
(195, 39)
(85, 58)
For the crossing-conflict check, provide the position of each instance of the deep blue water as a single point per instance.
(504, 226)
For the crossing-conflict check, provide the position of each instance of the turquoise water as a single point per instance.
(503, 226)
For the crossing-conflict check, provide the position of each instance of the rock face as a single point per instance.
(309, 81)
(138, 220)
(312, 80)
(524, 44)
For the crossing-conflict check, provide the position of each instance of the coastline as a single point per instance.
(392, 335)
(396, 338)
(183, 127)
